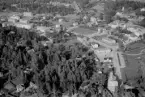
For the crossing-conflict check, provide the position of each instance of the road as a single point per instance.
(118, 59)
(117, 64)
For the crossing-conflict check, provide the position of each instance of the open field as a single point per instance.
(133, 64)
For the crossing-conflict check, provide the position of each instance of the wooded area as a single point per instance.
(57, 68)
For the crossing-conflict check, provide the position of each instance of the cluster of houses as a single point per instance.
(136, 30)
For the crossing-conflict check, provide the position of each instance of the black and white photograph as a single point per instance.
(72, 48)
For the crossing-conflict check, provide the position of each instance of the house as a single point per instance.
(13, 18)
(103, 50)
(142, 9)
(20, 88)
(23, 25)
(60, 20)
(108, 59)
(132, 37)
(126, 15)
(112, 83)
(75, 24)
(28, 14)
(25, 20)
(114, 24)
(57, 26)
(94, 45)
(93, 20)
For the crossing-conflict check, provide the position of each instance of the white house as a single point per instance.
(28, 14)
(75, 24)
(94, 45)
(20, 88)
(116, 24)
(112, 83)
(60, 20)
(93, 19)
(108, 59)
(13, 18)
(142, 9)
(23, 25)
(132, 37)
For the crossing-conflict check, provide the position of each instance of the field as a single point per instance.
(133, 64)
(135, 48)
(134, 59)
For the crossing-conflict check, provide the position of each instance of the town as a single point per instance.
(118, 44)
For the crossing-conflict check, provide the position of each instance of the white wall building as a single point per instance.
(95, 45)
(132, 37)
(112, 83)
(13, 18)
(28, 14)
(23, 25)
(103, 50)
(24, 21)
(142, 9)
(93, 19)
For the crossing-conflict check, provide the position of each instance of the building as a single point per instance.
(108, 59)
(75, 24)
(24, 20)
(60, 20)
(94, 45)
(116, 24)
(142, 9)
(126, 15)
(13, 18)
(93, 19)
(28, 14)
(103, 50)
(23, 25)
(112, 83)
(109, 41)
(132, 37)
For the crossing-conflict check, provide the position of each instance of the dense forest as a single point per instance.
(56, 69)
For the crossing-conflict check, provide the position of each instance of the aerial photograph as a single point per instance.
(72, 48)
